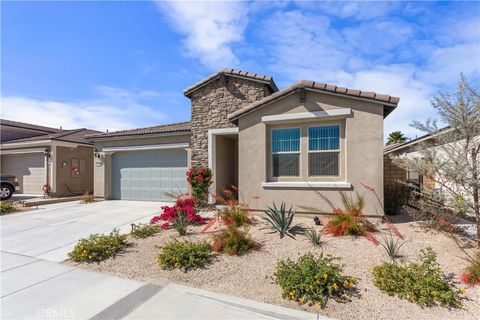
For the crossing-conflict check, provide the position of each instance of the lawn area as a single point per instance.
(249, 275)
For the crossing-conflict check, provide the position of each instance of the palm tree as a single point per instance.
(396, 137)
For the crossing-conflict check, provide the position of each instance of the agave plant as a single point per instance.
(281, 221)
(392, 248)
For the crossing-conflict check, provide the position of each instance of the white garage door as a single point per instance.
(149, 175)
(29, 170)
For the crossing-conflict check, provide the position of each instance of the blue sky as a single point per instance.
(118, 65)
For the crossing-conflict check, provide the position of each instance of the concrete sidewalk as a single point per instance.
(34, 289)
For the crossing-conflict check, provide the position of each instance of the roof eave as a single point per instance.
(134, 136)
(189, 91)
(233, 117)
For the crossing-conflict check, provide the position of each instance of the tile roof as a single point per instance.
(75, 135)
(232, 73)
(23, 125)
(389, 102)
(167, 128)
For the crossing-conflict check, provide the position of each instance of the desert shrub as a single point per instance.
(88, 198)
(350, 221)
(423, 283)
(396, 195)
(472, 272)
(144, 230)
(315, 237)
(99, 247)
(281, 221)
(344, 224)
(199, 178)
(235, 214)
(313, 280)
(185, 255)
(234, 241)
(6, 207)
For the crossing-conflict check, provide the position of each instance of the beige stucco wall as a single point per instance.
(80, 183)
(226, 166)
(102, 165)
(362, 152)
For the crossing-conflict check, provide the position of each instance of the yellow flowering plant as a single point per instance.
(313, 280)
(99, 247)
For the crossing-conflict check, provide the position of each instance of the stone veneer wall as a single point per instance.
(211, 105)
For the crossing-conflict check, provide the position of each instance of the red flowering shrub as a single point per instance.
(185, 205)
(345, 223)
(472, 272)
(199, 178)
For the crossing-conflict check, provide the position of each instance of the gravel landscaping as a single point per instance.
(247, 275)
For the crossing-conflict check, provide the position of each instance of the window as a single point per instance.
(286, 152)
(323, 151)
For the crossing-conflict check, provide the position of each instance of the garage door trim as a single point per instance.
(148, 147)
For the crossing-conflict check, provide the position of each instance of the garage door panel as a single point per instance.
(29, 170)
(149, 175)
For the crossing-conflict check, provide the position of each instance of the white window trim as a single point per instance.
(333, 113)
(299, 152)
(310, 185)
(339, 125)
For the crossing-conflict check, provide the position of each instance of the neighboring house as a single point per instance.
(394, 173)
(40, 156)
(274, 145)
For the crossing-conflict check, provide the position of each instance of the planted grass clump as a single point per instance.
(99, 247)
(234, 241)
(422, 283)
(313, 280)
(185, 255)
(237, 215)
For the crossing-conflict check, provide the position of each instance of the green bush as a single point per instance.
(144, 230)
(99, 247)
(237, 215)
(313, 280)
(6, 207)
(233, 241)
(396, 196)
(423, 283)
(185, 255)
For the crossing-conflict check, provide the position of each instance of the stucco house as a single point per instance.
(39, 156)
(275, 145)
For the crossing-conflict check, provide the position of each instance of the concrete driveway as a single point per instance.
(35, 286)
(51, 231)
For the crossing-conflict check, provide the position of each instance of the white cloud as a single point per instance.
(113, 109)
(211, 28)
(312, 46)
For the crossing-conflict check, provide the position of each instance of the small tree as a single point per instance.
(451, 156)
(396, 137)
